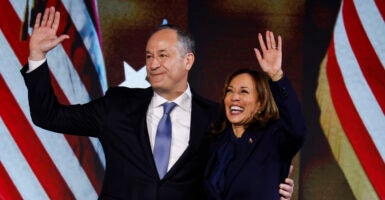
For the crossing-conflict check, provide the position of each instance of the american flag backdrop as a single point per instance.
(36, 164)
(351, 96)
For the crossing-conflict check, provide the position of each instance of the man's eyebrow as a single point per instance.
(159, 51)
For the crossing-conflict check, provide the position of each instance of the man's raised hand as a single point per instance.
(44, 36)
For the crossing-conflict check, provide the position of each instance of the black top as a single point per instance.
(253, 166)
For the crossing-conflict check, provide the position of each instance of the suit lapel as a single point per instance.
(198, 129)
(143, 133)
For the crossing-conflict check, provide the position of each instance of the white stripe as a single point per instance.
(17, 168)
(66, 76)
(55, 144)
(83, 23)
(374, 26)
(361, 94)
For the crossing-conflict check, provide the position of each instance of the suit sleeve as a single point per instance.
(291, 118)
(48, 113)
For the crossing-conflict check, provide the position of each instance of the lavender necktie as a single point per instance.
(163, 140)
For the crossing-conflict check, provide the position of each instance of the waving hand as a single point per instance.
(271, 58)
(44, 37)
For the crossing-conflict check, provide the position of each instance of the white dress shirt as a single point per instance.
(32, 65)
(180, 119)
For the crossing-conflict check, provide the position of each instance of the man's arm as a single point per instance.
(46, 111)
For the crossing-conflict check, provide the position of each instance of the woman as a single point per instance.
(261, 131)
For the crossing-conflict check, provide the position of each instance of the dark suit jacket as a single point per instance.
(119, 121)
(263, 155)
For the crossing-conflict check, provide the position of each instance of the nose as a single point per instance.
(153, 63)
(234, 97)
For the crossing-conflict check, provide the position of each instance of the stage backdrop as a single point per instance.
(333, 53)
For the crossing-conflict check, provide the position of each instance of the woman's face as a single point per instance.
(241, 100)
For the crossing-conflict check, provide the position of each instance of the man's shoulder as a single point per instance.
(207, 106)
(200, 99)
(126, 94)
(120, 90)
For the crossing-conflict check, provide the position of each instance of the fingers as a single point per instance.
(257, 54)
(261, 42)
(284, 194)
(286, 189)
(37, 21)
(279, 47)
(45, 17)
(50, 18)
(291, 166)
(283, 198)
(60, 39)
(270, 41)
(56, 21)
(289, 182)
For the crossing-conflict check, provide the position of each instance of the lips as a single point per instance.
(156, 73)
(156, 76)
(236, 109)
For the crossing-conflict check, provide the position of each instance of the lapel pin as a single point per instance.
(251, 140)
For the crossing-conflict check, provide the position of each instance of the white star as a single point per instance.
(133, 78)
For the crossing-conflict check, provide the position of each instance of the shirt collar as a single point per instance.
(183, 101)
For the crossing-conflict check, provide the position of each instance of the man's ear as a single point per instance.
(190, 58)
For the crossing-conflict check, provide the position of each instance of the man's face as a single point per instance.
(167, 64)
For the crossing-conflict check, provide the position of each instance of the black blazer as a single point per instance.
(119, 121)
(263, 155)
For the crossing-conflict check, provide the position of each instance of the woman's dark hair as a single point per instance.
(185, 39)
(268, 109)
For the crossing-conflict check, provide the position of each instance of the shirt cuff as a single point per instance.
(32, 64)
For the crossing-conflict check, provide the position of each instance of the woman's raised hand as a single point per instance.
(271, 58)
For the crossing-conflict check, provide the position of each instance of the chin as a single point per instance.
(155, 84)
(234, 121)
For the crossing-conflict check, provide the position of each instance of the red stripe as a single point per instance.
(354, 128)
(31, 147)
(82, 148)
(87, 157)
(13, 30)
(8, 190)
(381, 7)
(77, 52)
(367, 58)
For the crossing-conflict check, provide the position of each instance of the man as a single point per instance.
(125, 120)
